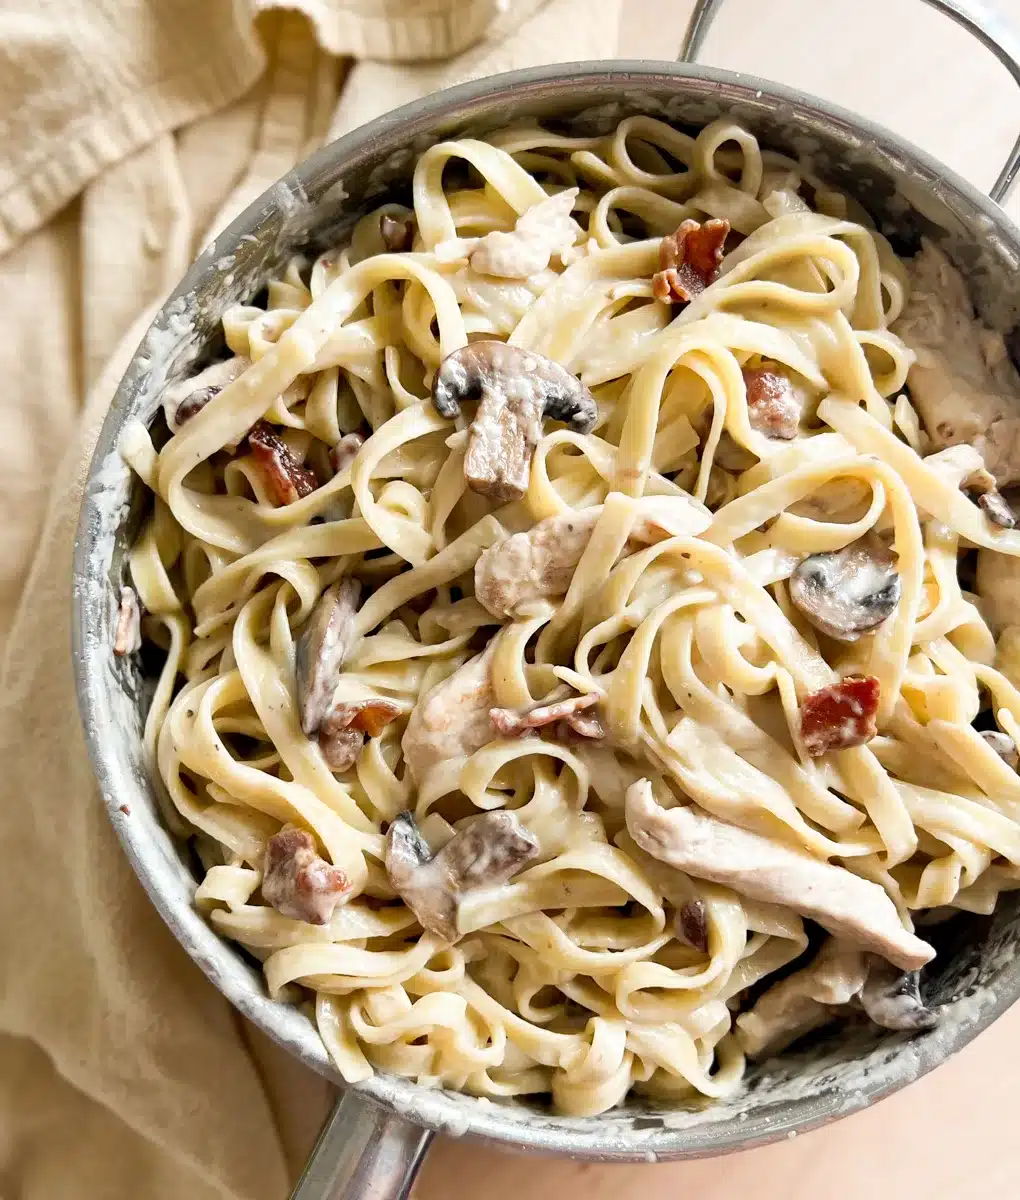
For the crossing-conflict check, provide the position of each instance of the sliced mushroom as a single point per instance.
(962, 383)
(773, 406)
(892, 998)
(1004, 747)
(452, 720)
(515, 389)
(127, 636)
(840, 716)
(689, 260)
(286, 479)
(485, 853)
(847, 592)
(299, 883)
(691, 924)
(397, 236)
(513, 724)
(321, 649)
(963, 467)
(181, 401)
(765, 869)
(345, 451)
(516, 574)
(805, 1000)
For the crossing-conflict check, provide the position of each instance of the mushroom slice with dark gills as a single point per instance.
(485, 853)
(515, 389)
(763, 868)
(847, 592)
(892, 998)
(298, 882)
(324, 643)
(1004, 747)
(181, 401)
(962, 466)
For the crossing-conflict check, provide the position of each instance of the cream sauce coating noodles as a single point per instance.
(651, 594)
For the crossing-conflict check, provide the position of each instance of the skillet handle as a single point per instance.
(978, 17)
(363, 1153)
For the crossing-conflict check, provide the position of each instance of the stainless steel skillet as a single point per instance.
(379, 1131)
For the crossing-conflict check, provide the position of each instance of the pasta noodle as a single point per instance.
(691, 531)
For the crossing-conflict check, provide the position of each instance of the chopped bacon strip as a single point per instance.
(127, 637)
(345, 451)
(840, 716)
(513, 724)
(585, 725)
(286, 479)
(689, 260)
(772, 405)
(297, 882)
(342, 734)
(397, 236)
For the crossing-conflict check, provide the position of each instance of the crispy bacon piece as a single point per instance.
(513, 724)
(297, 882)
(345, 451)
(343, 732)
(397, 236)
(840, 716)
(772, 405)
(286, 479)
(689, 260)
(127, 637)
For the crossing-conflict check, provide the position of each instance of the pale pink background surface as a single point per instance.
(956, 1133)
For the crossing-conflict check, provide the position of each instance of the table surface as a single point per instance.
(953, 1134)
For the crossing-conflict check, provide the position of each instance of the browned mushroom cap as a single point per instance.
(485, 853)
(321, 649)
(397, 235)
(516, 388)
(184, 399)
(692, 924)
(1004, 747)
(847, 592)
(892, 998)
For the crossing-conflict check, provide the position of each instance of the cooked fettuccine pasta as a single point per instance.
(568, 589)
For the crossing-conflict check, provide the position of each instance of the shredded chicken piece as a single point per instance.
(345, 451)
(181, 401)
(299, 883)
(840, 716)
(513, 724)
(452, 720)
(285, 477)
(485, 853)
(963, 384)
(515, 575)
(773, 406)
(805, 1000)
(689, 260)
(127, 636)
(765, 869)
(547, 228)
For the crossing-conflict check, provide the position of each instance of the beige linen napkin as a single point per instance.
(129, 132)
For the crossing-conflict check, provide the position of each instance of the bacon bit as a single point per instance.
(125, 809)
(345, 452)
(840, 716)
(692, 925)
(127, 636)
(286, 479)
(584, 725)
(297, 882)
(368, 716)
(996, 509)
(689, 260)
(513, 724)
(772, 405)
(397, 236)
